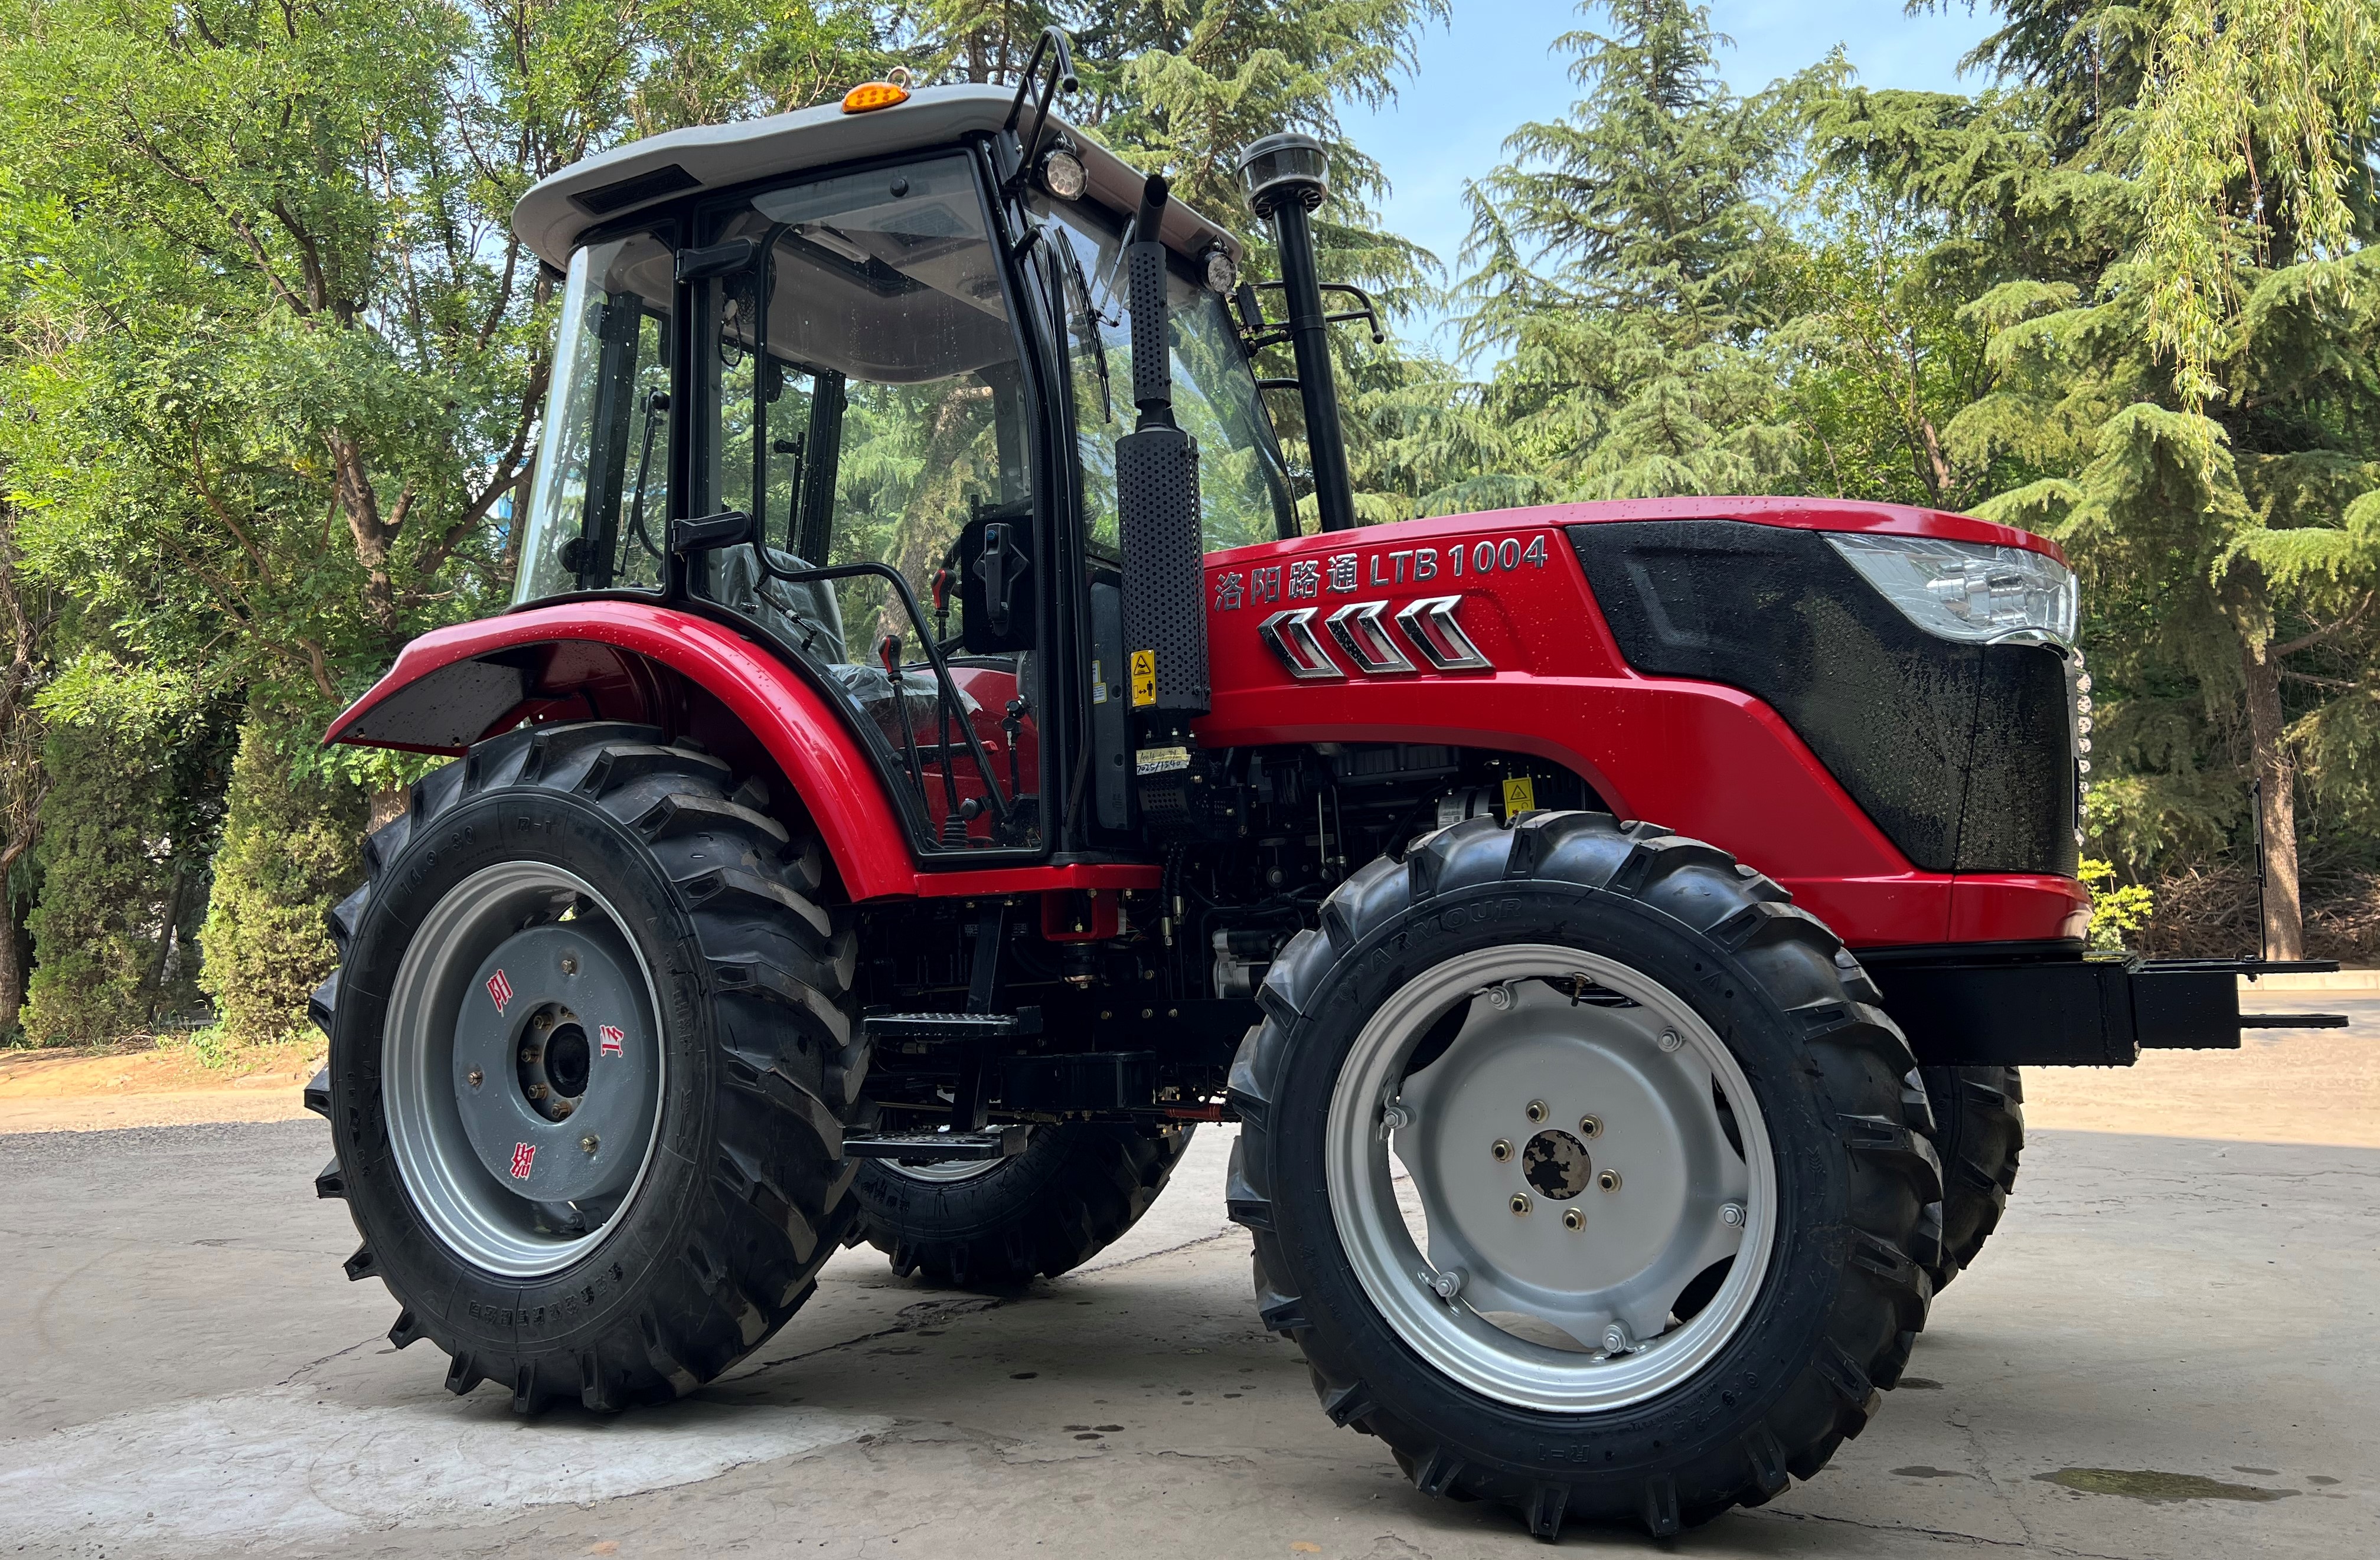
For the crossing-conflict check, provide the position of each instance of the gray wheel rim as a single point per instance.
(1517, 1303)
(500, 1006)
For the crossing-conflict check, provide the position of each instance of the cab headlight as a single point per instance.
(1972, 591)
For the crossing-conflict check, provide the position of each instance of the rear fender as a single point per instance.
(631, 661)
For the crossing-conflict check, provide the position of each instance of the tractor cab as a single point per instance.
(853, 381)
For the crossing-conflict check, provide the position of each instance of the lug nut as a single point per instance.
(1590, 1127)
(536, 1090)
(1618, 1340)
(542, 1020)
(589, 1143)
(1536, 1110)
(570, 964)
(1731, 1213)
(1447, 1284)
(1671, 1040)
(1520, 1203)
(530, 1055)
(1573, 1219)
(563, 1107)
(475, 1077)
(1395, 1116)
(1503, 1150)
(1608, 1180)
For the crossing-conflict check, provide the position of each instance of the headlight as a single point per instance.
(1966, 590)
(1222, 275)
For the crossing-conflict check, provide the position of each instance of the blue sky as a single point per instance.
(1495, 66)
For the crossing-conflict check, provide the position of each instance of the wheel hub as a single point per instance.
(1596, 1197)
(1557, 1164)
(551, 1011)
(522, 1068)
(554, 1063)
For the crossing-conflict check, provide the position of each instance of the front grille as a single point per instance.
(1963, 754)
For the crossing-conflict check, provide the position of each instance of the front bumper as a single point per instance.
(2033, 1005)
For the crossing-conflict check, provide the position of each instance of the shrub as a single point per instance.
(291, 849)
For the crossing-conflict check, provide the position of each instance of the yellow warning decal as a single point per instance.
(1144, 679)
(1519, 796)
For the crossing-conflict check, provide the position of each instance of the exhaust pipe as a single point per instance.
(1287, 177)
(1157, 497)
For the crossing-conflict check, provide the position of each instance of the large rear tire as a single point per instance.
(1071, 1194)
(591, 1038)
(1979, 1134)
(1680, 1272)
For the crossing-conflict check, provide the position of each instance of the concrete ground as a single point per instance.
(2171, 1348)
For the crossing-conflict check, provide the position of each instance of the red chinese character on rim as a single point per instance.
(524, 1155)
(611, 1039)
(500, 991)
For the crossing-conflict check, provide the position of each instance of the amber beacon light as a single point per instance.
(871, 96)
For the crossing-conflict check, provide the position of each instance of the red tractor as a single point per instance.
(926, 770)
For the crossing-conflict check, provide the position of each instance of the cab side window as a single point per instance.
(599, 504)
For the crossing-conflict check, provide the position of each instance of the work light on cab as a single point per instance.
(1063, 173)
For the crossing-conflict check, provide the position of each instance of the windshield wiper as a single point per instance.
(1082, 285)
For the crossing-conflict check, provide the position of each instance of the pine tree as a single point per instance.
(2163, 220)
(1626, 259)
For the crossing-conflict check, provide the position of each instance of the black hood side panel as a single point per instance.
(1961, 752)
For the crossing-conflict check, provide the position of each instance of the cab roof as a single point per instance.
(629, 178)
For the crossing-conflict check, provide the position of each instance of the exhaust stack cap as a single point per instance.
(1285, 167)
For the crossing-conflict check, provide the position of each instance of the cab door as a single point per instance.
(862, 394)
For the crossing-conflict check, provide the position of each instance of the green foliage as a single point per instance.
(129, 824)
(272, 365)
(2257, 152)
(283, 357)
(2118, 911)
(101, 893)
(1628, 260)
(291, 849)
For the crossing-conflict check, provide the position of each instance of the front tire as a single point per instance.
(590, 1037)
(1604, 978)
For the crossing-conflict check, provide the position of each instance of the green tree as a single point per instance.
(291, 849)
(2160, 218)
(26, 618)
(135, 765)
(274, 360)
(1626, 258)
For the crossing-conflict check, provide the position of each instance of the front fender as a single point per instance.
(612, 660)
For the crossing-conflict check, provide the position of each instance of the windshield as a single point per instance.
(599, 504)
(1244, 493)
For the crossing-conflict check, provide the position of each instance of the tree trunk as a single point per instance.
(12, 968)
(386, 804)
(2276, 772)
(177, 904)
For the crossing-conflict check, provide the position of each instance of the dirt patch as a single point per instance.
(46, 1091)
